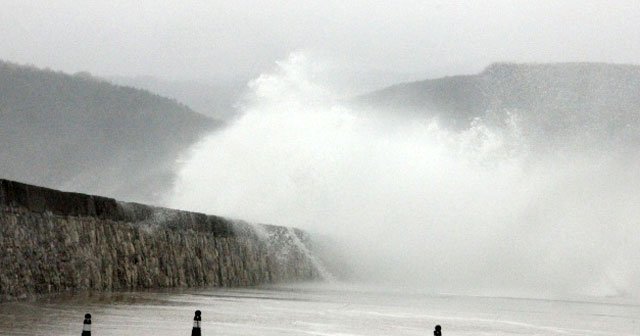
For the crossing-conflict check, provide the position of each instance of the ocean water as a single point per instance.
(317, 309)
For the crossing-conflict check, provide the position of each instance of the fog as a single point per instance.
(493, 208)
(365, 43)
(481, 210)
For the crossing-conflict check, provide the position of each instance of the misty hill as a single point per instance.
(213, 99)
(552, 99)
(83, 134)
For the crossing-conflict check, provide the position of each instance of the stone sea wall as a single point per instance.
(53, 241)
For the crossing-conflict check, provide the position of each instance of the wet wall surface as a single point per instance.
(55, 242)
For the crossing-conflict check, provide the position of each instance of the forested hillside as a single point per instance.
(215, 98)
(553, 99)
(77, 132)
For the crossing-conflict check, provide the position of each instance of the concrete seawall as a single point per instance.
(53, 241)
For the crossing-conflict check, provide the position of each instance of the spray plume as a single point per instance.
(408, 202)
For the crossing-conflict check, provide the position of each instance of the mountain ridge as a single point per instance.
(540, 88)
(82, 133)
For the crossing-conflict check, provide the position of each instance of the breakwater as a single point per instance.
(53, 241)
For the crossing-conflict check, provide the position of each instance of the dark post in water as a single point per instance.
(86, 325)
(196, 324)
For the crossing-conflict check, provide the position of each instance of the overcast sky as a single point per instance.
(226, 39)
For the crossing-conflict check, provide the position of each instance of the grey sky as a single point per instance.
(226, 39)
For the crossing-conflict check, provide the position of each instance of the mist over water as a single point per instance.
(490, 209)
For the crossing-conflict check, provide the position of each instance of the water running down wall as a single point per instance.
(53, 241)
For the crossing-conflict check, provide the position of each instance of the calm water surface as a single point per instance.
(314, 309)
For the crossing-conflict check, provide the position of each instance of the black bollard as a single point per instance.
(438, 331)
(86, 325)
(196, 324)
